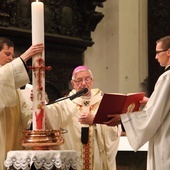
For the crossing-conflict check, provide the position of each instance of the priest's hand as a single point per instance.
(114, 120)
(86, 118)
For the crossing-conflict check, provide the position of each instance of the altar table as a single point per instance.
(125, 146)
(128, 159)
(42, 160)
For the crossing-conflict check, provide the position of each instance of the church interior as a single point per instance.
(114, 38)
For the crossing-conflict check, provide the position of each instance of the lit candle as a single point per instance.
(38, 67)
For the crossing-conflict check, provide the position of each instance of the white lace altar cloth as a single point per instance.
(47, 159)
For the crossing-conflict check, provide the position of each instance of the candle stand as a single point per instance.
(42, 139)
(39, 138)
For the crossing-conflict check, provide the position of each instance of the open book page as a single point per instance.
(117, 103)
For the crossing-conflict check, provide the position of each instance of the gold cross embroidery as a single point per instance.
(86, 103)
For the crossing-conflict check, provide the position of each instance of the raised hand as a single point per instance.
(32, 51)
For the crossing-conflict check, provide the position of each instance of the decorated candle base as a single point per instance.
(42, 139)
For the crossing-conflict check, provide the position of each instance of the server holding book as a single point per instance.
(153, 122)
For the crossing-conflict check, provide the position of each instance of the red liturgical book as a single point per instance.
(117, 103)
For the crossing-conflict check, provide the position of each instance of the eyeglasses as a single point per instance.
(80, 81)
(157, 52)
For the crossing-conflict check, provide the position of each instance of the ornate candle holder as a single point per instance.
(39, 138)
(42, 139)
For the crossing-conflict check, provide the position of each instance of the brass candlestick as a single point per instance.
(42, 139)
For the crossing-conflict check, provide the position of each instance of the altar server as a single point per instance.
(13, 111)
(153, 122)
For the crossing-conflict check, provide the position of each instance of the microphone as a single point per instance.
(78, 94)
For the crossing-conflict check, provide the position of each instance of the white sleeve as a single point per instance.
(141, 126)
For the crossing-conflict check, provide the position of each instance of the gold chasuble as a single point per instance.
(86, 106)
(98, 149)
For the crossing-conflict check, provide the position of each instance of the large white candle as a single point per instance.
(38, 67)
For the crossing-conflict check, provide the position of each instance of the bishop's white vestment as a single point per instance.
(103, 140)
(12, 76)
(152, 124)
